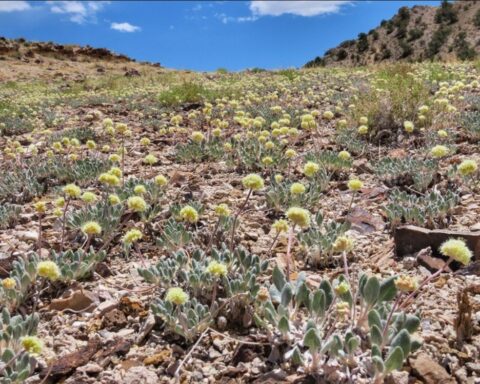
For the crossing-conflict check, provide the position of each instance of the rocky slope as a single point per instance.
(448, 32)
(28, 60)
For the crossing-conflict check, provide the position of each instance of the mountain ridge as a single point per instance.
(448, 32)
(26, 60)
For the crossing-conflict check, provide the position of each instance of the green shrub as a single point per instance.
(463, 49)
(342, 54)
(414, 34)
(407, 49)
(191, 92)
(439, 38)
(476, 19)
(362, 43)
(400, 96)
(446, 14)
(317, 62)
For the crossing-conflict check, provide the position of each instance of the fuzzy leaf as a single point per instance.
(374, 319)
(388, 290)
(283, 325)
(371, 290)
(302, 296)
(411, 323)
(297, 358)
(318, 303)
(7, 355)
(376, 350)
(415, 345)
(376, 335)
(326, 287)
(402, 339)
(352, 344)
(394, 360)
(278, 278)
(287, 295)
(312, 340)
(378, 363)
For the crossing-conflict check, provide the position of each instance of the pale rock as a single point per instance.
(140, 375)
(28, 235)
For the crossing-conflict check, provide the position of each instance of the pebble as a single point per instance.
(79, 324)
(90, 368)
(28, 235)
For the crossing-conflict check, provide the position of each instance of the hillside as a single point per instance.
(448, 32)
(27, 60)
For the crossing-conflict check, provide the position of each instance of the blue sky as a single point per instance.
(200, 35)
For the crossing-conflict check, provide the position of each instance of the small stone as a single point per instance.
(91, 368)
(28, 235)
(114, 319)
(213, 353)
(473, 367)
(158, 358)
(105, 307)
(221, 323)
(397, 377)
(125, 332)
(146, 328)
(140, 375)
(429, 371)
(475, 227)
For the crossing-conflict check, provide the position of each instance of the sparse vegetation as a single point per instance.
(243, 226)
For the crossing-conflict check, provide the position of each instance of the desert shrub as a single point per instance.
(9, 214)
(290, 74)
(471, 119)
(394, 99)
(406, 48)
(414, 34)
(362, 43)
(257, 70)
(463, 49)
(192, 92)
(317, 62)
(81, 134)
(446, 14)
(342, 55)
(19, 186)
(439, 38)
(389, 27)
(347, 43)
(476, 19)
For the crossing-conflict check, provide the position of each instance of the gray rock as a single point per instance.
(140, 375)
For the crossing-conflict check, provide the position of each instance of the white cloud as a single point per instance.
(295, 7)
(12, 6)
(78, 11)
(124, 27)
(228, 19)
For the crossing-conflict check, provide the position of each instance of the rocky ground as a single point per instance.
(101, 328)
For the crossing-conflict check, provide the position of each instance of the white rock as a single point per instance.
(28, 235)
(140, 375)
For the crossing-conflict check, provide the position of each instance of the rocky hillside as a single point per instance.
(26, 60)
(448, 32)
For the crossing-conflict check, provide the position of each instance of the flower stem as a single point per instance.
(345, 265)
(289, 248)
(273, 243)
(64, 224)
(409, 298)
(235, 218)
